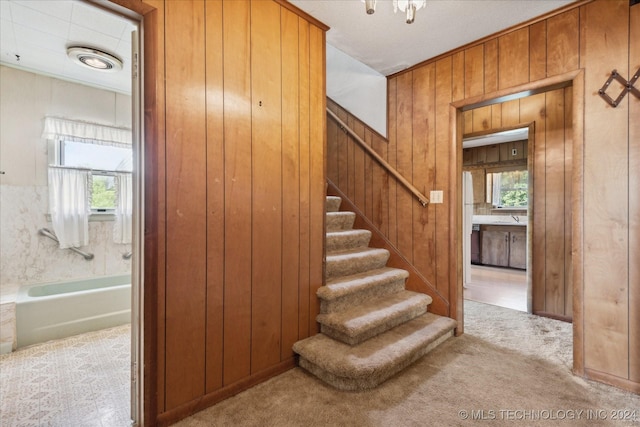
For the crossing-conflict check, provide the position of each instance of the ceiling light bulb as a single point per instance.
(370, 6)
(94, 59)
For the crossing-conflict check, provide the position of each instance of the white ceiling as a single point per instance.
(39, 32)
(384, 42)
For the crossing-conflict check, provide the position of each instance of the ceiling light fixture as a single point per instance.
(408, 6)
(94, 59)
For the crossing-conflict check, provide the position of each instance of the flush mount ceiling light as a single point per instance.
(94, 59)
(408, 6)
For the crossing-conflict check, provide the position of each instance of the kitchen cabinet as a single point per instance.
(475, 247)
(504, 246)
(518, 249)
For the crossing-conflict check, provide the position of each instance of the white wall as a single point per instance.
(25, 256)
(358, 88)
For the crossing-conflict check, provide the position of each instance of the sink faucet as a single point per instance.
(517, 219)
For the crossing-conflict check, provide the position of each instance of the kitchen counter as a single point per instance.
(500, 220)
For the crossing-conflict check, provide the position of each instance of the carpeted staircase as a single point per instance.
(371, 327)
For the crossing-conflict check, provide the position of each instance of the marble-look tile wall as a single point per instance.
(25, 256)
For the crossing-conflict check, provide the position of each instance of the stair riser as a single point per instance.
(339, 267)
(333, 204)
(369, 381)
(372, 332)
(343, 242)
(340, 221)
(350, 300)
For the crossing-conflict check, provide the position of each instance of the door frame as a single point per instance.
(529, 235)
(574, 79)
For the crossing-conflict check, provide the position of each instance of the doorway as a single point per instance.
(48, 93)
(497, 202)
(569, 125)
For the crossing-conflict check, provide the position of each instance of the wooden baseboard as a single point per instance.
(567, 319)
(613, 380)
(197, 405)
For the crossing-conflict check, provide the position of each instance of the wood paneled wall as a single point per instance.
(551, 112)
(235, 206)
(595, 37)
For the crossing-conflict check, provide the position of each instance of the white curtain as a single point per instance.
(497, 187)
(70, 205)
(124, 208)
(72, 130)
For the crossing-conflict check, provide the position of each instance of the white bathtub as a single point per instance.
(50, 311)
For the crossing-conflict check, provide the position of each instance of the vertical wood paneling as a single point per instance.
(304, 294)
(186, 204)
(442, 165)
(474, 71)
(563, 42)
(513, 58)
(404, 163)
(368, 176)
(457, 72)
(290, 182)
(380, 188)
(491, 66)
(423, 167)
(392, 108)
(317, 129)
(538, 51)
(266, 150)
(237, 155)
(496, 116)
(634, 202)
(332, 145)
(215, 194)
(554, 249)
(606, 203)
(359, 182)
(511, 113)
(343, 154)
(533, 110)
(481, 119)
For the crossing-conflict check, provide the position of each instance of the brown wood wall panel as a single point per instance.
(238, 180)
(304, 293)
(458, 83)
(563, 42)
(404, 163)
(491, 66)
(215, 196)
(392, 101)
(555, 213)
(606, 203)
(513, 58)
(266, 145)
(474, 71)
(538, 51)
(423, 168)
(290, 181)
(634, 202)
(317, 177)
(186, 205)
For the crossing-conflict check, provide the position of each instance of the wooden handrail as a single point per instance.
(421, 197)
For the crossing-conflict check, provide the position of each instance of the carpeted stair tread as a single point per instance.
(342, 240)
(355, 261)
(373, 361)
(340, 220)
(373, 317)
(333, 203)
(344, 292)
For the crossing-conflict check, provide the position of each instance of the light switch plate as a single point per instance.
(435, 196)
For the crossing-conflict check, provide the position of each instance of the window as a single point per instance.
(510, 188)
(104, 161)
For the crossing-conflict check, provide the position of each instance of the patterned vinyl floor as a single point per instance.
(80, 381)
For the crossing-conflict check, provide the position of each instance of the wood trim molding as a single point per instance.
(303, 14)
(603, 377)
(197, 405)
(416, 281)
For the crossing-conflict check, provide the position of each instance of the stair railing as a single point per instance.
(371, 152)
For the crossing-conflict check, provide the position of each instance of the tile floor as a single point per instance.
(80, 381)
(504, 287)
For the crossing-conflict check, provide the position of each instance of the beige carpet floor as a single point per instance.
(508, 369)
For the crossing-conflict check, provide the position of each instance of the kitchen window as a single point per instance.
(509, 188)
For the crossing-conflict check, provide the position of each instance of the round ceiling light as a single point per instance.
(94, 59)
